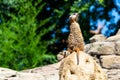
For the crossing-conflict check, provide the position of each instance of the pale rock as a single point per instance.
(87, 69)
(113, 38)
(118, 32)
(6, 73)
(110, 61)
(100, 48)
(113, 74)
(117, 47)
(97, 38)
(30, 76)
(48, 72)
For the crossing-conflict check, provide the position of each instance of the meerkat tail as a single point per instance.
(77, 56)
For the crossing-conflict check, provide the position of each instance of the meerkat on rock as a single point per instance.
(75, 63)
(75, 38)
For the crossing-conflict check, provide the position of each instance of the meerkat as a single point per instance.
(75, 38)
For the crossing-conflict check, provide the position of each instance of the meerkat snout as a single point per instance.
(73, 17)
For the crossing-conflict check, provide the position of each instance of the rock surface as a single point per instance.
(107, 54)
(110, 61)
(7, 73)
(100, 48)
(49, 72)
(87, 69)
(113, 38)
(97, 38)
(113, 74)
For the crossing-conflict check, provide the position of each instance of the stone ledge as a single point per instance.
(113, 74)
(110, 61)
(113, 38)
(101, 48)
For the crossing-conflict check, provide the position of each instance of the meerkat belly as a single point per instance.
(77, 40)
(71, 40)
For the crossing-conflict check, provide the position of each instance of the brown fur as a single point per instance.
(75, 38)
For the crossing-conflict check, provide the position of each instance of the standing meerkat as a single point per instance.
(75, 38)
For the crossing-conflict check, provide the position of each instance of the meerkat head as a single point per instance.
(73, 17)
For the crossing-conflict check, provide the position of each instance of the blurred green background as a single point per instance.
(32, 32)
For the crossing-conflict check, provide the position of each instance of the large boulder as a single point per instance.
(110, 46)
(110, 61)
(97, 38)
(113, 38)
(100, 48)
(107, 54)
(48, 72)
(87, 69)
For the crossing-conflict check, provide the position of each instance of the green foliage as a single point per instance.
(21, 44)
(79, 6)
